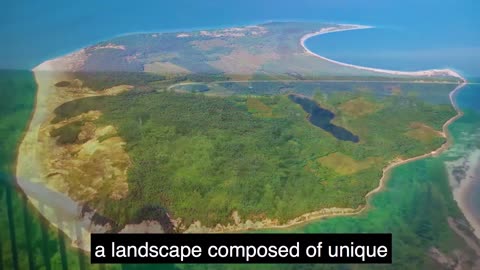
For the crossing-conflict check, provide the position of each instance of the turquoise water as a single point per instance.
(468, 137)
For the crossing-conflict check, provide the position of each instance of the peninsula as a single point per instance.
(221, 130)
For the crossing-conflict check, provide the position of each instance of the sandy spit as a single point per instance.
(463, 174)
(349, 27)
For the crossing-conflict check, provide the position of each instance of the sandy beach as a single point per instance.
(61, 211)
(65, 213)
(463, 175)
(33, 166)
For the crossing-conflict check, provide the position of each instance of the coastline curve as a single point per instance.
(350, 27)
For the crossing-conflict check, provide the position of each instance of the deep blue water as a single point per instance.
(322, 118)
(34, 31)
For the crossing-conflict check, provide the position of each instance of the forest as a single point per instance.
(201, 157)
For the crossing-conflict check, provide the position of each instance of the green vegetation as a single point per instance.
(68, 133)
(269, 52)
(98, 81)
(358, 107)
(62, 84)
(257, 107)
(202, 157)
(344, 165)
(27, 241)
(414, 208)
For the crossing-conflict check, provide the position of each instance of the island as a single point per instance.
(221, 130)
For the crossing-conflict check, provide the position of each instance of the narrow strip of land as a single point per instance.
(170, 87)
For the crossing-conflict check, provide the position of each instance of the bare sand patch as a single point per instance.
(41, 162)
(95, 163)
(239, 225)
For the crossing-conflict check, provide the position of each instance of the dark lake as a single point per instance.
(322, 118)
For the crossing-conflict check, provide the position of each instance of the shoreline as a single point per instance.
(470, 187)
(463, 190)
(428, 72)
(307, 217)
(59, 210)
